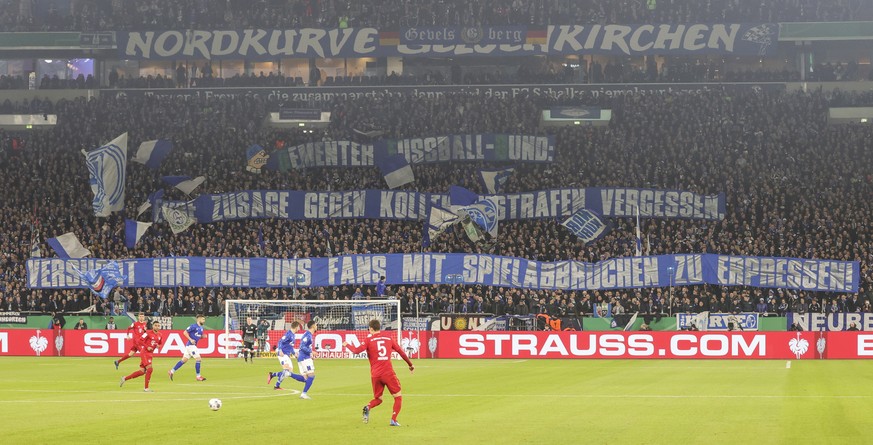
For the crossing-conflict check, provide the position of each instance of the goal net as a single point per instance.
(338, 321)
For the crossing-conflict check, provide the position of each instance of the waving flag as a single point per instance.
(484, 214)
(149, 202)
(35, 251)
(68, 246)
(102, 280)
(133, 232)
(180, 217)
(184, 183)
(438, 220)
(152, 153)
(459, 196)
(107, 167)
(587, 225)
(493, 180)
(396, 170)
(257, 158)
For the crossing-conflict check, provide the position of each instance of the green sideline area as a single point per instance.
(588, 323)
(45, 400)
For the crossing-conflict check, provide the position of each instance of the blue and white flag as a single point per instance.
(179, 216)
(107, 168)
(459, 196)
(152, 153)
(493, 180)
(68, 246)
(484, 213)
(102, 280)
(396, 170)
(256, 158)
(133, 231)
(184, 183)
(438, 220)
(149, 202)
(35, 251)
(587, 225)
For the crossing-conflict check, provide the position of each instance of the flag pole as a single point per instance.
(638, 244)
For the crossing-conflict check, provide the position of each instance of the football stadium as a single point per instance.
(431, 222)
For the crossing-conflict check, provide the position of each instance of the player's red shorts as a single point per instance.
(145, 358)
(389, 380)
(134, 349)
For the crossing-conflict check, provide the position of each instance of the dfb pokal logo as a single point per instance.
(38, 343)
(410, 345)
(798, 346)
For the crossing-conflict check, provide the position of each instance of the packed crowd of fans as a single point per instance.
(91, 15)
(796, 187)
(676, 71)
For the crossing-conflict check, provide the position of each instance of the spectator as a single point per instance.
(81, 325)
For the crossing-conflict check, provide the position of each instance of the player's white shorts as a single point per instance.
(306, 365)
(191, 351)
(286, 361)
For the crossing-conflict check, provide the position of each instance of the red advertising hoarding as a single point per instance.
(486, 344)
(98, 343)
(665, 345)
(28, 342)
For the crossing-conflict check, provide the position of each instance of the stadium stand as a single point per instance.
(796, 187)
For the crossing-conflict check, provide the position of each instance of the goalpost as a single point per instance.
(338, 321)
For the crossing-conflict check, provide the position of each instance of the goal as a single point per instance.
(338, 321)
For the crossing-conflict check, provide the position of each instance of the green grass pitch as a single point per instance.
(78, 400)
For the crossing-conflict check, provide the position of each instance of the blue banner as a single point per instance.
(705, 321)
(554, 40)
(472, 147)
(328, 95)
(489, 270)
(409, 205)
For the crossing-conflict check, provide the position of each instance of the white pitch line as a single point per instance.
(76, 391)
(284, 394)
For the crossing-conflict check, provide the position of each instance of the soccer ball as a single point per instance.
(214, 404)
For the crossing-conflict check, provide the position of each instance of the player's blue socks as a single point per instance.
(308, 383)
(297, 377)
(197, 367)
(178, 365)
